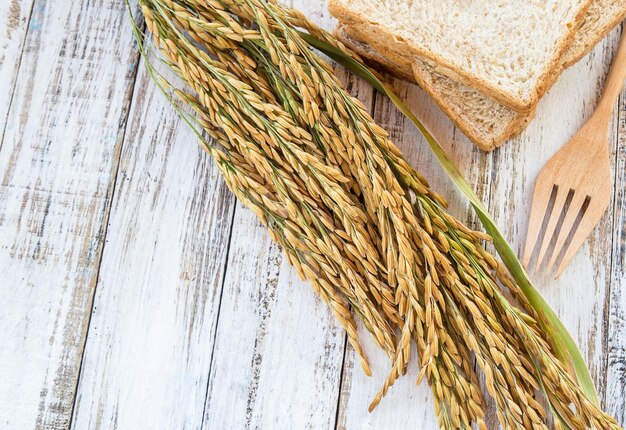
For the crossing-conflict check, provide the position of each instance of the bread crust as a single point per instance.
(550, 71)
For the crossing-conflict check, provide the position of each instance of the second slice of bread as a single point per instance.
(602, 16)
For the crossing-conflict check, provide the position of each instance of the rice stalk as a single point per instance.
(355, 218)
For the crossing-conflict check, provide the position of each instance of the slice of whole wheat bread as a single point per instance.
(509, 49)
(485, 121)
(468, 108)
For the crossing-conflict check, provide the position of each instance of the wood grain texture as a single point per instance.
(14, 19)
(156, 303)
(616, 337)
(278, 349)
(57, 164)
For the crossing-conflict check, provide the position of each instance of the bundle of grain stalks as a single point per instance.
(355, 219)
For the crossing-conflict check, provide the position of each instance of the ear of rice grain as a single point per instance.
(355, 218)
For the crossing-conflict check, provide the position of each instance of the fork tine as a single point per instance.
(578, 199)
(541, 199)
(561, 197)
(591, 217)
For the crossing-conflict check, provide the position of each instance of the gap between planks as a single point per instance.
(155, 137)
(55, 395)
(615, 345)
(219, 309)
(612, 212)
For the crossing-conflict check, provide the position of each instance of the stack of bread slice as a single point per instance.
(485, 63)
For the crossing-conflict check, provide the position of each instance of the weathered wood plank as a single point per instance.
(57, 165)
(277, 355)
(616, 337)
(580, 295)
(155, 309)
(14, 19)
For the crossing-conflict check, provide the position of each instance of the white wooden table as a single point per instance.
(135, 293)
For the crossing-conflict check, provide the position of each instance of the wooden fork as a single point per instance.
(579, 173)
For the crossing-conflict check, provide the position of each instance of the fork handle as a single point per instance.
(615, 80)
